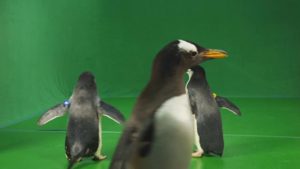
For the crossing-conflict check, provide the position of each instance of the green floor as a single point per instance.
(267, 135)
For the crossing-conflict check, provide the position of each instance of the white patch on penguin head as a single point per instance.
(187, 46)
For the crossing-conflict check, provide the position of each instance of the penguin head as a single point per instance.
(182, 55)
(194, 54)
(86, 81)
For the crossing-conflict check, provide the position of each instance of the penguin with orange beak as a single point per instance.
(159, 133)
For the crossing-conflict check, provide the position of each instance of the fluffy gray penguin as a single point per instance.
(206, 109)
(85, 109)
(159, 134)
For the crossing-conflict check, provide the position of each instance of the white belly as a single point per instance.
(173, 136)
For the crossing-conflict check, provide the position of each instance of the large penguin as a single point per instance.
(159, 134)
(205, 107)
(84, 128)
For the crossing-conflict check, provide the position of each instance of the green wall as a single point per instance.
(45, 44)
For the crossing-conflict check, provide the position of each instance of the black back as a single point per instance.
(83, 127)
(82, 137)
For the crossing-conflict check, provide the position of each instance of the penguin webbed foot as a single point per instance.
(212, 154)
(197, 154)
(99, 157)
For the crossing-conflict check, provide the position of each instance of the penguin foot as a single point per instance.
(197, 153)
(99, 157)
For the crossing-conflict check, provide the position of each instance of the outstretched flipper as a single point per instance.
(227, 104)
(111, 112)
(54, 112)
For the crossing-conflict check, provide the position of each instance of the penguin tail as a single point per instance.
(76, 154)
(71, 163)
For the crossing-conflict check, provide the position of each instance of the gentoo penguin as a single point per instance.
(85, 109)
(159, 134)
(207, 118)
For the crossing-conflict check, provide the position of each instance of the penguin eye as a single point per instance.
(193, 53)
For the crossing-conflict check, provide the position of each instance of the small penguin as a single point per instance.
(205, 106)
(85, 109)
(159, 134)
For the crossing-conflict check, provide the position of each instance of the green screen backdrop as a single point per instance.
(46, 44)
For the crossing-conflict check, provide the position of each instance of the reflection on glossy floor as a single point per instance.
(267, 135)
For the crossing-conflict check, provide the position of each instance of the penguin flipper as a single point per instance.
(192, 99)
(124, 149)
(146, 138)
(227, 104)
(130, 140)
(52, 113)
(111, 112)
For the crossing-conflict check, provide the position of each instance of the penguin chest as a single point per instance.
(173, 135)
(174, 116)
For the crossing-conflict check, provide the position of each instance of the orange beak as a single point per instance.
(214, 54)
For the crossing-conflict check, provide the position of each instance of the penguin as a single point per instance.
(83, 138)
(159, 133)
(206, 106)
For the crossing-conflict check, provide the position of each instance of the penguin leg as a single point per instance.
(199, 151)
(98, 156)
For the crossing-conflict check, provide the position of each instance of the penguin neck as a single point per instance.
(80, 96)
(169, 80)
(200, 80)
(159, 89)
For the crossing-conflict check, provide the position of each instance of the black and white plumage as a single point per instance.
(159, 133)
(206, 109)
(84, 127)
